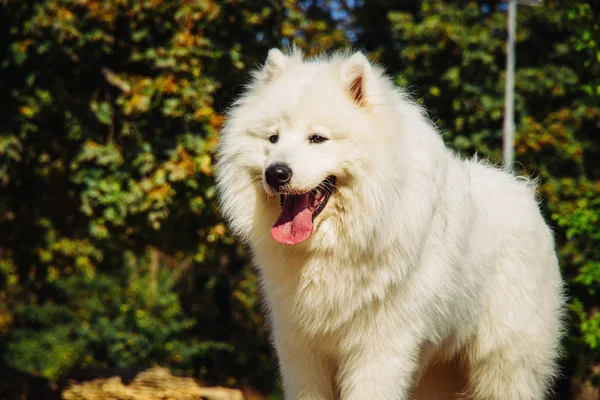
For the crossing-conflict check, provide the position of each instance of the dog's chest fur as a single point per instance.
(321, 295)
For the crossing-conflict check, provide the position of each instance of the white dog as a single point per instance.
(391, 268)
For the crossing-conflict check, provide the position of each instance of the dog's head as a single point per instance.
(296, 143)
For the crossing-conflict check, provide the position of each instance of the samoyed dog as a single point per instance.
(391, 268)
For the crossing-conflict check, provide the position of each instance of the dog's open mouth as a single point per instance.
(298, 211)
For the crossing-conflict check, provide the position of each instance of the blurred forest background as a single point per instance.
(112, 252)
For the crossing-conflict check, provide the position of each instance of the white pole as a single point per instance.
(509, 89)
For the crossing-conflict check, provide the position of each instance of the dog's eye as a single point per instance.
(317, 139)
(274, 138)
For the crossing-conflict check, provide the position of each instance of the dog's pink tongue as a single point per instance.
(294, 224)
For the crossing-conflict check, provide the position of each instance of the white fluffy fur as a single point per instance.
(426, 276)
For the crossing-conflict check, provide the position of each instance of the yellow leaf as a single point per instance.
(288, 30)
(206, 164)
(204, 112)
(27, 111)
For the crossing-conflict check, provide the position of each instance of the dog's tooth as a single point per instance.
(318, 194)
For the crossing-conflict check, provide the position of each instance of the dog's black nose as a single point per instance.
(278, 175)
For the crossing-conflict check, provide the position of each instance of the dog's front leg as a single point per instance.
(306, 374)
(382, 367)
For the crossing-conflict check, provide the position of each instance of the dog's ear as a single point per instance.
(276, 62)
(355, 73)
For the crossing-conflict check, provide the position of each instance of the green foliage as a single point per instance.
(102, 321)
